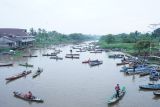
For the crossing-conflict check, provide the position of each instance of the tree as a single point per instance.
(109, 39)
(143, 46)
(32, 32)
(156, 32)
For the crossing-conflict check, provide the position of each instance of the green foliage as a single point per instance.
(142, 45)
(52, 37)
(108, 39)
(133, 41)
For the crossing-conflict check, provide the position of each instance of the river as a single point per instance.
(69, 83)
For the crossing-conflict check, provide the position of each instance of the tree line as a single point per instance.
(48, 37)
(142, 42)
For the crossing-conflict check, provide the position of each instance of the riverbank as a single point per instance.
(129, 48)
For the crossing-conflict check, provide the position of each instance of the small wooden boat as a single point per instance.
(122, 63)
(26, 65)
(116, 56)
(51, 48)
(52, 54)
(150, 86)
(34, 49)
(73, 57)
(157, 93)
(85, 61)
(24, 97)
(38, 72)
(81, 51)
(114, 98)
(96, 52)
(144, 74)
(24, 73)
(72, 54)
(94, 63)
(56, 57)
(30, 56)
(6, 64)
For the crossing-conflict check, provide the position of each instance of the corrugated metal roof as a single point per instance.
(13, 32)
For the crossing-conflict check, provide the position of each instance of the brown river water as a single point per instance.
(69, 83)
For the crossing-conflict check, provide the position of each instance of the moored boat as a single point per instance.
(52, 54)
(72, 54)
(94, 63)
(114, 98)
(30, 56)
(122, 63)
(6, 64)
(24, 73)
(56, 57)
(87, 61)
(157, 93)
(26, 65)
(73, 57)
(150, 86)
(144, 74)
(81, 51)
(24, 97)
(96, 52)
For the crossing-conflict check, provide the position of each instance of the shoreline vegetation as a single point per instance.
(46, 38)
(43, 37)
(135, 43)
(145, 45)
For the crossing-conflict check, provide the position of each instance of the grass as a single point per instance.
(126, 46)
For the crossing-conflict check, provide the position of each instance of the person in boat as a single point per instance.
(24, 72)
(71, 51)
(29, 94)
(124, 59)
(38, 69)
(117, 88)
(134, 66)
(26, 63)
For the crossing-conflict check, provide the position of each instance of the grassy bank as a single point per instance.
(126, 47)
(129, 48)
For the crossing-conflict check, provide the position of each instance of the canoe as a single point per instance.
(87, 61)
(56, 57)
(144, 74)
(26, 65)
(114, 99)
(116, 56)
(38, 72)
(23, 96)
(95, 63)
(30, 56)
(81, 51)
(73, 57)
(157, 93)
(6, 64)
(49, 54)
(96, 52)
(150, 86)
(122, 63)
(72, 54)
(18, 75)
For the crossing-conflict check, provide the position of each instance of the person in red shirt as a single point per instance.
(117, 88)
(29, 95)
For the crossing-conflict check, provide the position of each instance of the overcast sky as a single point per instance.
(81, 16)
